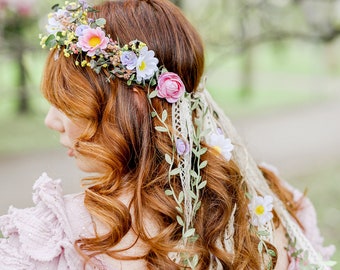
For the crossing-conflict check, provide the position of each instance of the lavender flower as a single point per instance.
(129, 59)
(182, 147)
(80, 30)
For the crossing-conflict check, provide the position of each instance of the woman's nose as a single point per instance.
(53, 120)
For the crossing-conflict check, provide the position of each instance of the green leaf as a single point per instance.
(193, 174)
(203, 164)
(168, 159)
(179, 209)
(168, 192)
(93, 64)
(153, 82)
(175, 171)
(91, 9)
(51, 42)
(55, 7)
(195, 152)
(271, 252)
(202, 151)
(100, 22)
(132, 77)
(180, 220)
(97, 69)
(196, 140)
(192, 194)
(198, 205)
(195, 105)
(189, 233)
(153, 114)
(153, 94)
(180, 197)
(161, 129)
(195, 260)
(164, 115)
(202, 185)
(270, 265)
(248, 195)
(260, 247)
(262, 233)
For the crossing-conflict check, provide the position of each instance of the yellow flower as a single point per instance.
(70, 35)
(66, 53)
(83, 63)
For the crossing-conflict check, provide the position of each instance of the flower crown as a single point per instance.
(71, 30)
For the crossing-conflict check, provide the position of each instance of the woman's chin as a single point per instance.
(87, 166)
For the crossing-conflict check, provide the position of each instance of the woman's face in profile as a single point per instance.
(69, 132)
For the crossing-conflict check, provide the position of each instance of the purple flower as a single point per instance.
(84, 4)
(182, 147)
(80, 30)
(129, 59)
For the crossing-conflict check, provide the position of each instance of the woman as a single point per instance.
(170, 184)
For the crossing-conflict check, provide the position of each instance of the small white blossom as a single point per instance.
(221, 145)
(146, 64)
(260, 209)
(58, 21)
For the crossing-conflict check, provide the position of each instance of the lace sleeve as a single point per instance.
(39, 237)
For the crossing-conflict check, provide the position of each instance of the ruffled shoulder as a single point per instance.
(308, 217)
(39, 237)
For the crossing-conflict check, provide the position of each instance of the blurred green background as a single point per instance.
(265, 60)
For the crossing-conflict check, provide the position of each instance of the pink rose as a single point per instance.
(170, 87)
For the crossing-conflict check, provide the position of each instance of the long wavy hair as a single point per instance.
(120, 135)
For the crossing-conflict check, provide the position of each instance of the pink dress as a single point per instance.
(42, 237)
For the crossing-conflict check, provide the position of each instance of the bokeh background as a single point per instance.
(273, 65)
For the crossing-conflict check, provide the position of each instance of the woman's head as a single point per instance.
(81, 93)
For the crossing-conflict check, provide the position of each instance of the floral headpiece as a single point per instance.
(71, 31)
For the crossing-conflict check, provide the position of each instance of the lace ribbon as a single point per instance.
(257, 184)
(183, 127)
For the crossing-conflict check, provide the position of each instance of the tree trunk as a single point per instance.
(178, 3)
(246, 90)
(23, 97)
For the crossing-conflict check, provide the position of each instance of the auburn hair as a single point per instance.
(120, 135)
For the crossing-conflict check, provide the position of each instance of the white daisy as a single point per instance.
(260, 209)
(146, 64)
(58, 21)
(221, 145)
